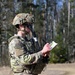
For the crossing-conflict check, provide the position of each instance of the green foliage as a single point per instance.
(59, 53)
(71, 0)
(38, 23)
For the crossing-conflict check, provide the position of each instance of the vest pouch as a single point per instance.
(35, 68)
(39, 68)
(29, 68)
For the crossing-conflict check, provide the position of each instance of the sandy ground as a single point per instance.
(51, 69)
(60, 69)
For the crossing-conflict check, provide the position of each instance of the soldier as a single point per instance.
(24, 58)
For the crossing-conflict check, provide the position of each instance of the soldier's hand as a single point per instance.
(46, 49)
(46, 54)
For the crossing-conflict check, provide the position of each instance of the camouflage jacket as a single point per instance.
(24, 56)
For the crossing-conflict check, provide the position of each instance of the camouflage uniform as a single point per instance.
(25, 59)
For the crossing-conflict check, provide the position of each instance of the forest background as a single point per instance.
(54, 21)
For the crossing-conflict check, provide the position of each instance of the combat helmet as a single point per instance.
(22, 18)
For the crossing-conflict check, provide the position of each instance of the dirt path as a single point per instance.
(51, 69)
(60, 69)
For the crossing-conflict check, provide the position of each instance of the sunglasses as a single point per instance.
(28, 25)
